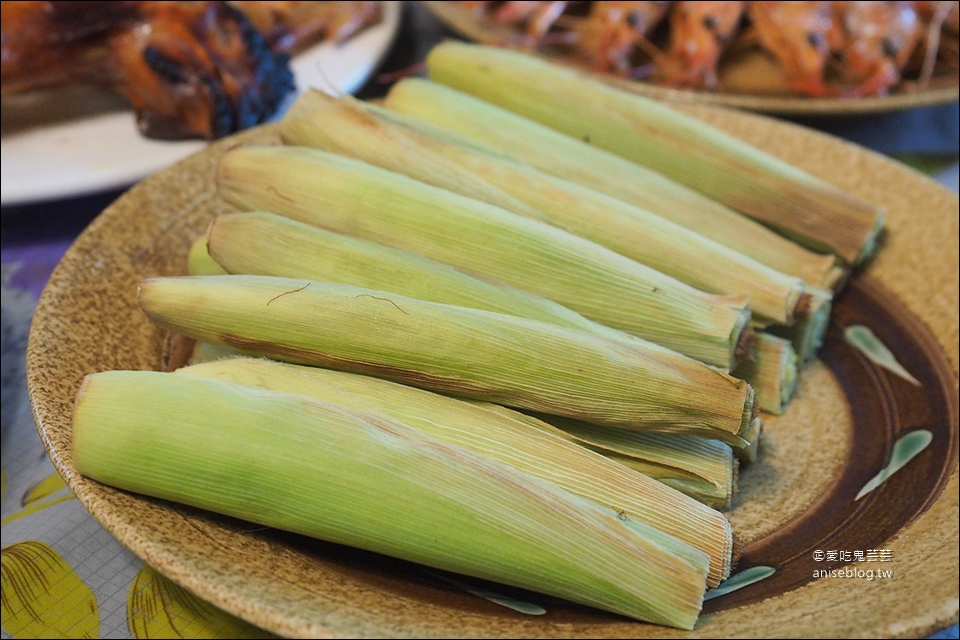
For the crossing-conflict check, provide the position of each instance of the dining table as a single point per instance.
(37, 506)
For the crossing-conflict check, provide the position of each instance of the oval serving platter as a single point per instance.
(816, 499)
(752, 81)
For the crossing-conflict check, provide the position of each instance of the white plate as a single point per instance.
(75, 141)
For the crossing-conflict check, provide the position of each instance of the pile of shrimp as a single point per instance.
(822, 49)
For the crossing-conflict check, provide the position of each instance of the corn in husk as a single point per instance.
(272, 245)
(455, 350)
(525, 443)
(808, 332)
(351, 197)
(772, 370)
(700, 468)
(432, 155)
(497, 129)
(267, 244)
(680, 147)
(368, 481)
(199, 261)
(703, 469)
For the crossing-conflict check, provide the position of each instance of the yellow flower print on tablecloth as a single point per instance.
(42, 595)
(159, 608)
(43, 489)
(34, 498)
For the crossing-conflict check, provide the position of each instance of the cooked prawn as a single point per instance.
(699, 32)
(610, 36)
(878, 40)
(821, 48)
(536, 17)
(800, 35)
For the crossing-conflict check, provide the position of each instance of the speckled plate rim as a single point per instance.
(917, 265)
(462, 23)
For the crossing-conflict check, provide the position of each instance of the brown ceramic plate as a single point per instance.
(751, 81)
(798, 499)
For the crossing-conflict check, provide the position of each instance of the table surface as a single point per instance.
(37, 507)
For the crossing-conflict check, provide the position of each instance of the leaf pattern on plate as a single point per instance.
(739, 581)
(43, 597)
(867, 343)
(159, 608)
(504, 601)
(905, 449)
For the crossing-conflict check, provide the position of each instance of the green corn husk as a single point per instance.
(705, 472)
(455, 350)
(367, 481)
(808, 332)
(429, 154)
(354, 198)
(271, 245)
(680, 147)
(206, 352)
(199, 262)
(749, 451)
(703, 469)
(520, 441)
(772, 371)
(572, 159)
(718, 497)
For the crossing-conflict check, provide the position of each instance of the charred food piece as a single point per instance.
(189, 69)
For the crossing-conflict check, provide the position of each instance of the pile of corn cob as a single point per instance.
(518, 325)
